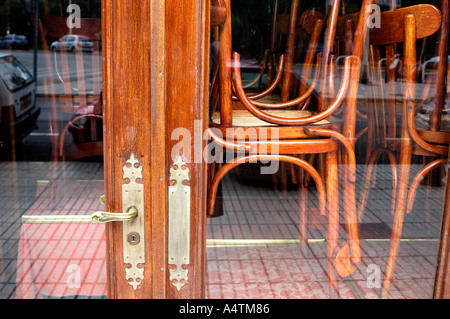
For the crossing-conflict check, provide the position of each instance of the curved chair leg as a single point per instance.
(418, 179)
(303, 185)
(366, 184)
(394, 166)
(218, 208)
(399, 214)
(351, 222)
(367, 181)
(302, 193)
(333, 219)
(351, 219)
(69, 124)
(341, 266)
(285, 158)
(304, 165)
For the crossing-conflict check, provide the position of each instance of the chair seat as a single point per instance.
(422, 120)
(246, 119)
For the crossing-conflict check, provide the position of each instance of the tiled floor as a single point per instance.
(252, 250)
(278, 270)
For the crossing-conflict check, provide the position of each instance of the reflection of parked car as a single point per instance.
(14, 41)
(71, 43)
(431, 62)
(17, 99)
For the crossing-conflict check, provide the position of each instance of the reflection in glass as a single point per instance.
(255, 236)
(51, 152)
(51, 148)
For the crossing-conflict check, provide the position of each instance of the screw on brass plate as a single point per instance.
(133, 238)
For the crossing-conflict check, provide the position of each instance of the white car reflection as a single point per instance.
(72, 43)
(17, 99)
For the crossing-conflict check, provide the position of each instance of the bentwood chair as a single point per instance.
(307, 29)
(301, 34)
(298, 35)
(73, 86)
(255, 131)
(393, 125)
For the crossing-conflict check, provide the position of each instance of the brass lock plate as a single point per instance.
(133, 230)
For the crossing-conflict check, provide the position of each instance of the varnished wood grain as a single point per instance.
(442, 282)
(187, 54)
(133, 64)
(218, 13)
(147, 47)
(442, 53)
(428, 20)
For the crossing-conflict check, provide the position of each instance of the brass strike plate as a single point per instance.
(179, 224)
(133, 230)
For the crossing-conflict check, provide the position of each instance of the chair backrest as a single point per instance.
(345, 27)
(442, 66)
(308, 29)
(404, 25)
(352, 77)
(289, 26)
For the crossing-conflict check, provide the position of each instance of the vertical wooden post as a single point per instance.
(442, 282)
(187, 68)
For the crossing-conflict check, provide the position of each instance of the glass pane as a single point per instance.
(51, 149)
(267, 237)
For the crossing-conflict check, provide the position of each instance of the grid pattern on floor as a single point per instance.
(281, 271)
(57, 261)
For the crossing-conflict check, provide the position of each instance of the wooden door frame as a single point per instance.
(155, 79)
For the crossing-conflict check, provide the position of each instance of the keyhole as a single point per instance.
(134, 238)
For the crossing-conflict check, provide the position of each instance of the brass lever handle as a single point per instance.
(95, 218)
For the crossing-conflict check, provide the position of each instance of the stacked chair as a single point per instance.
(395, 125)
(296, 133)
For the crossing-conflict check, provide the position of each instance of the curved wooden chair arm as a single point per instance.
(361, 133)
(70, 124)
(361, 115)
(261, 70)
(281, 105)
(272, 86)
(251, 105)
(218, 13)
(227, 144)
(439, 150)
(348, 146)
(282, 158)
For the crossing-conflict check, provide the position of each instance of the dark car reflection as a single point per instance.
(14, 41)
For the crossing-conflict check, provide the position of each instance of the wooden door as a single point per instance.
(155, 71)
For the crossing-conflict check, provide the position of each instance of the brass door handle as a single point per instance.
(132, 215)
(95, 218)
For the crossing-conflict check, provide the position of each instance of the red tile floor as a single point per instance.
(252, 249)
